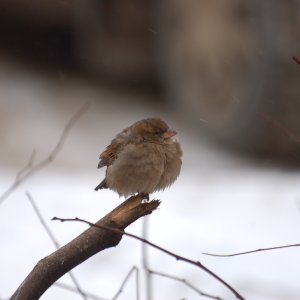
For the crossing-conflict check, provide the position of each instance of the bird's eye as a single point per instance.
(157, 132)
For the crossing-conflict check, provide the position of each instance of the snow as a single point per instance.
(221, 203)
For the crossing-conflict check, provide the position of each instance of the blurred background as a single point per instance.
(221, 73)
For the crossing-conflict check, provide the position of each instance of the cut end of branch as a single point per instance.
(132, 209)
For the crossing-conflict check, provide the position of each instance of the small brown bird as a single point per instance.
(142, 159)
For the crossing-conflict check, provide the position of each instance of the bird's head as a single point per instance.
(152, 130)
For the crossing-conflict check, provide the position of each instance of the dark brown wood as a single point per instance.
(90, 242)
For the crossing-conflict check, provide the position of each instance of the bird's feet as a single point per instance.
(144, 197)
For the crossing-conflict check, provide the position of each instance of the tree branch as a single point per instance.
(145, 261)
(70, 288)
(31, 168)
(168, 252)
(277, 125)
(252, 251)
(185, 282)
(90, 242)
(120, 290)
(296, 60)
(55, 242)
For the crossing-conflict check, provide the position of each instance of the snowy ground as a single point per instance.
(220, 204)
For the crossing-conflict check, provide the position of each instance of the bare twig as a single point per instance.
(276, 124)
(252, 251)
(41, 219)
(296, 60)
(135, 270)
(77, 288)
(55, 242)
(27, 166)
(137, 284)
(176, 256)
(145, 259)
(185, 282)
(93, 240)
(73, 289)
(30, 168)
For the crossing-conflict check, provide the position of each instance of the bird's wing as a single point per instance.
(110, 154)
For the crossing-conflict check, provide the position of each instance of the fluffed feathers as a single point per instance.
(143, 158)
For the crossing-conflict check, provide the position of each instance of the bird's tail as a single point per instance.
(102, 185)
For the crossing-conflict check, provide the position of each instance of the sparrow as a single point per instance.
(142, 159)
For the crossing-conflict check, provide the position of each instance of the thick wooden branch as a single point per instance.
(90, 242)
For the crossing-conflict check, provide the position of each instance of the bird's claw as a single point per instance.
(144, 197)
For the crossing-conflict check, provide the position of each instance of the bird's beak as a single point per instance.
(168, 134)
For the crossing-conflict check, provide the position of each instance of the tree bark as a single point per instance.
(90, 242)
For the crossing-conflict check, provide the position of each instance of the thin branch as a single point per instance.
(41, 219)
(31, 169)
(120, 290)
(185, 282)
(93, 240)
(137, 284)
(296, 60)
(277, 125)
(145, 259)
(27, 166)
(95, 297)
(252, 251)
(77, 288)
(176, 256)
(77, 285)
(55, 242)
(73, 289)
